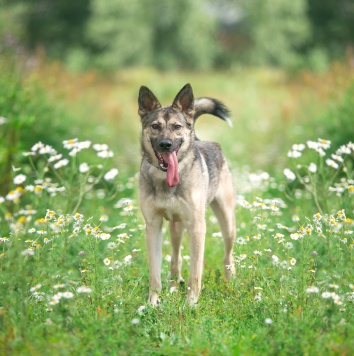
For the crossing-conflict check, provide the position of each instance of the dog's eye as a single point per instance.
(155, 126)
(177, 127)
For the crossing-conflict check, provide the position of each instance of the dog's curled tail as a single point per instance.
(212, 107)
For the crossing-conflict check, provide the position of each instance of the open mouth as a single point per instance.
(165, 157)
(168, 163)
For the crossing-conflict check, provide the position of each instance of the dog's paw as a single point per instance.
(230, 271)
(153, 299)
(175, 286)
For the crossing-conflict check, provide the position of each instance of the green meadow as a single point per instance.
(73, 262)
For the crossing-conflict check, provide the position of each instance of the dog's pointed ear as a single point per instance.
(147, 101)
(184, 100)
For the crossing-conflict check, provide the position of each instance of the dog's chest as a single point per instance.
(173, 207)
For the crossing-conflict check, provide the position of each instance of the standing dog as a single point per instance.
(179, 176)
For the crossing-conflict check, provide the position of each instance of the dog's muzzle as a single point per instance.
(168, 161)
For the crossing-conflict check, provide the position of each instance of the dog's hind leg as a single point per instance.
(154, 247)
(223, 208)
(176, 232)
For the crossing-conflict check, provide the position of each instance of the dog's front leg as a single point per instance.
(176, 232)
(196, 231)
(154, 247)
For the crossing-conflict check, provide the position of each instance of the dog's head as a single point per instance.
(167, 131)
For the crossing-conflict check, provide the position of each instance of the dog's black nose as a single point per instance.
(165, 145)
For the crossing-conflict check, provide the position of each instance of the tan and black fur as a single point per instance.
(180, 175)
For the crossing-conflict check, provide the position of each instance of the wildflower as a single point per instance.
(83, 144)
(275, 259)
(111, 245)
(111, 174)
(312, 289)
(243, 256)
(331, 163)
(47, 149)
(107, 261)
(135, 321)
(84, 289)
(312, 167)
(13, 195)
(241, 240)
(67, 295)
(69, 144)
(289, 174)
(62, 163)
(82, 253)
(341, 214)
(104, 218)
(37, 146)
(258, 297)
(288, 245)
(2, 200)
(3, 120)
(59, 285)
(268, 321)
(36, 287)
(345, 149)
(332, 285)
(84, 167)
(294, 154)
(284, 264)
(298, 147)
(325, 144)
(256, 252)
(127, 259)
(28, 252)
(19, 179)
(326, 295)
(317, 216)
(100, 147)
(295, 236)
(104, 236)
(293, 261)
(105, 154)
(295, 218)
(338, 158)
(78, 216)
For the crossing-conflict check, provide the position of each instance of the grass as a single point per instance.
(74, 276)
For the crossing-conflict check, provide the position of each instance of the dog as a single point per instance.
(179, 176)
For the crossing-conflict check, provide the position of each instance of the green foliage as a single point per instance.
(338, 121)
(180, 34)
(332, 27)
(27, 117)
(73, 281)
(277, 31)
(72, 253)
(166, 35)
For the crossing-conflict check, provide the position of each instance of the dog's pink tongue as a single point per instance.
(172, 170)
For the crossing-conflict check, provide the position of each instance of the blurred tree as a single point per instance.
(277, 31)
(191, 34)
(177, 33)
(56, 25)
(332, 26)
